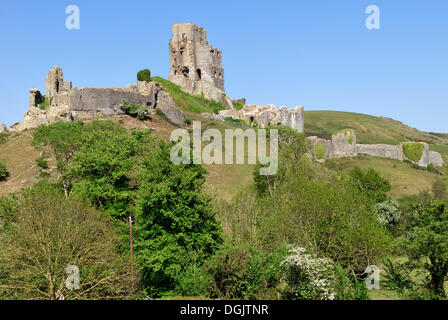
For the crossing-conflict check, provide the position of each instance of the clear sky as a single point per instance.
(315, 53)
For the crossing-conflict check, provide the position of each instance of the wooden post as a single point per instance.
(131, 256)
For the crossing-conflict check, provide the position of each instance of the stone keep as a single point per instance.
(195, 65)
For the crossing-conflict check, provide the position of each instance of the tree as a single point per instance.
(175, 223)
(100, 169)
(426, 243)
(144, 75)
(64, 140)
(49, 233)
(371, 184)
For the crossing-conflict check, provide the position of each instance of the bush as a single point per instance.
(144, 75)
(307, 277)
(42, 163)
(3, 171)
(388, 214)
(244, 272)
(371, 184)
(50, 232)
(439, 188)
(413, 151)
(141, 111)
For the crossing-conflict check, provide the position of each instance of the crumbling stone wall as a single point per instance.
(344, 144)
(266, 115)
(195, 65)
(381, 151)
(68, 103)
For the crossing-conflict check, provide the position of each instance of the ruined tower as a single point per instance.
(195, 65)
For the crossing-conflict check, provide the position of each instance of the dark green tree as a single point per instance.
(175, 223)
(371, 184)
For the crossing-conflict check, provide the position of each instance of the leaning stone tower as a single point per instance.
(195, 65)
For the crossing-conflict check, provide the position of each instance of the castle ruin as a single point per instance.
(195, 65)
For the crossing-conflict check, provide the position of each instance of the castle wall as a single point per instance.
(381, 151)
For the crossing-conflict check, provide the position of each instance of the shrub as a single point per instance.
(3, 171)
(319, 151)
(141, 111)
(413, 151)
(371, 184)
(42, 163)
(238, 105)
(242, 271)
(50, 232)
(308, 277)
(388, 214)
(45, 104)
(144, 75)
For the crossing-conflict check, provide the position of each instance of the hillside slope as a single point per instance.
(369, 129)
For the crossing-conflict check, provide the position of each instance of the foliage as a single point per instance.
(371, 184)
(238, 122)
(141, 111)
(99, 170)
(42, 163)
(319, 151)
(175, 223)
(439, 189)
(238, 105)
(49, 233)
(45, 104)
(3, 137)
(188, 102)
(242, 271)
(388, 213)
(3, 171)
(64, 140)
(426, 243)
(347, 286)
(308, 277)
(413, 151)
(144, 75)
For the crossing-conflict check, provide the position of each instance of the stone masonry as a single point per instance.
(195, 65)
(68, 103)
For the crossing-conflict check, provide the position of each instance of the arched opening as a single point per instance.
(198, 71)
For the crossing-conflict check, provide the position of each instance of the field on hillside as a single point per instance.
(369, 129)
(405, 179)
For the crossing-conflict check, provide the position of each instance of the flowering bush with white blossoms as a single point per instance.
(308, 277)
(388, 213)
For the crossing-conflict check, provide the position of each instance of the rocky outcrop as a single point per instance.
(195, 65)
(3, 128)
(166, 105)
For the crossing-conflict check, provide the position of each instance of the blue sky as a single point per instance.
(316, 53)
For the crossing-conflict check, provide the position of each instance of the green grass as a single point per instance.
(441, 148)
(188, 102)
(413, 151)
(404, 178)
(368, 129)
(3, 137)
(44, 105)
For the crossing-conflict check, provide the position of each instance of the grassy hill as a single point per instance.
(369, 129)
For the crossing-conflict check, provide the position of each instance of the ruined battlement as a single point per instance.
(195, 65)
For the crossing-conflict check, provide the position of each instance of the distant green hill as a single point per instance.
(369, 129)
